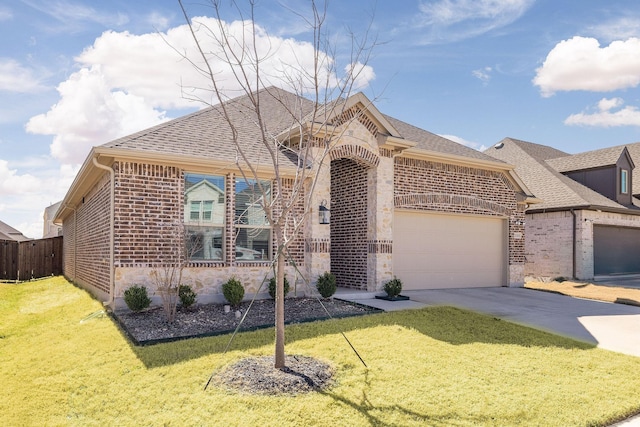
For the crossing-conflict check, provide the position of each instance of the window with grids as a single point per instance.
(204, 216)
(252, 230)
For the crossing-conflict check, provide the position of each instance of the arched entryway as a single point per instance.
(351, 194)
(349, 207)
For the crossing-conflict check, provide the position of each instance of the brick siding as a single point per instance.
(349, 218)
(434, 186)
(86, 242)
(148, 207)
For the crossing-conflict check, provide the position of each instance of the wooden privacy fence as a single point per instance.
(31, 259)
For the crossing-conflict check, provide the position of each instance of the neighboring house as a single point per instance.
(9, 233)
(403, 202)
(50, 229)
(588, 223)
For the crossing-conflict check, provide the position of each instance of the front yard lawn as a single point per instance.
(62, 363)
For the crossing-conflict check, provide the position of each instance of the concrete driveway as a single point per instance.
(614, 327)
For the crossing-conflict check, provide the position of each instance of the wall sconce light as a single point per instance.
(324, 214)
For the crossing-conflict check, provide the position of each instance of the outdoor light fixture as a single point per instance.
(323, 213)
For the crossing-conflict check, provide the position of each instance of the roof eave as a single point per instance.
(610, 209)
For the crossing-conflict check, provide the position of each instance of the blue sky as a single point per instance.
(74, 74)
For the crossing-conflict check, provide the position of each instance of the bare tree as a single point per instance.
(310, 133)
(168, 277)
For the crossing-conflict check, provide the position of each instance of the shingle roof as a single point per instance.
(9, 233)
(587, 160)
(634, 152)
(432, 142)
(206, 133)
(531, 163)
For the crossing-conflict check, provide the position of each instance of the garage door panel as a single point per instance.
(616, 250)
(432, 251)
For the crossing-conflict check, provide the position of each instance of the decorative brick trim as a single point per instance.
(436, 200)
(385, 152)
(356, 153)
(356, 113)
(380, 246)
(199, 264)
(318, 246)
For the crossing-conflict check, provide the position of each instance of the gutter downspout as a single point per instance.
(112, 210)
(573, 214)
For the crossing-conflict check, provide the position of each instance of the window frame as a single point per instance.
(239, 223)
(213, 228)
(624, 181)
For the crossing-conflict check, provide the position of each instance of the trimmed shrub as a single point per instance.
(233, 291)
(272, 287)
(187, 296)
(136, 298)
(326, 284)
(393, 287)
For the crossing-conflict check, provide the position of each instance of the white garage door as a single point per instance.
(434, 251)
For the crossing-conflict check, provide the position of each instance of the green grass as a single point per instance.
(435, 366)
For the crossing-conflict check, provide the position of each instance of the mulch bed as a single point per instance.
(151, 327)
(256, 375)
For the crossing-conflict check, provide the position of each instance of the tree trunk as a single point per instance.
(279, 320)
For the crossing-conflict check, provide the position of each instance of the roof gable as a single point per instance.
(9, 233)
(556, 190)
(590, 159)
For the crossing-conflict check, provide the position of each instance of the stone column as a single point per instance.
(318, 236)
(380, 226)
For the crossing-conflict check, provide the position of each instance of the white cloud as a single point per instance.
(24, 196)
(619, 29)
(16, 78)
(75, 16)
(605, 116)
(581, 64)
(125, 81)
(470, 144)
(483, 74)
(90, 113)
(159, 21)
(11, 183)
(361, 74)
(452, 20)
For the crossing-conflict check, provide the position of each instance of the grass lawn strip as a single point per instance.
(590, 291)
(436, 366)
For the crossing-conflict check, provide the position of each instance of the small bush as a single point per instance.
(233, 291)
(136, 298)
(272, 287)
(326, 284)
(187, 296)
(393, 287)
